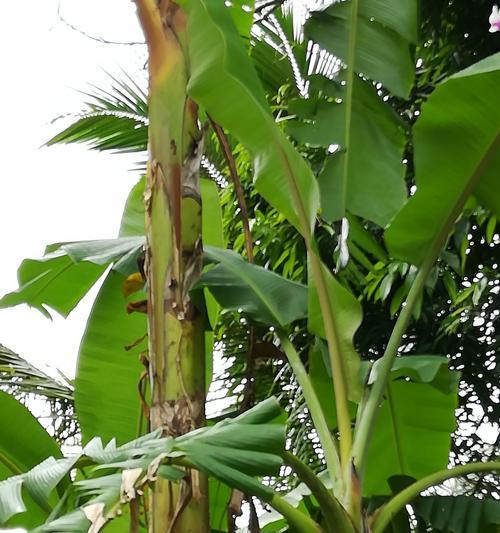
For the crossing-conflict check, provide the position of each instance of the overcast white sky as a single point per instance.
(65, 192)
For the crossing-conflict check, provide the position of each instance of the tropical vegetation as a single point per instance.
(314, 185)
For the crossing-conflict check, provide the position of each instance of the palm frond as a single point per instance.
(125, 96)
(113, 119)
(116, 119)
(22, 377)
(51, 398)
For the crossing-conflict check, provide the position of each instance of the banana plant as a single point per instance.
(148, 334)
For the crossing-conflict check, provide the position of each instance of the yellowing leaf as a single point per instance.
(133, 283)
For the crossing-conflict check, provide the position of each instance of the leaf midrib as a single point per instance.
(395, 428)
(248, 280)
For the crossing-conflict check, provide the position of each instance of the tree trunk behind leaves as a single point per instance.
(173, 262)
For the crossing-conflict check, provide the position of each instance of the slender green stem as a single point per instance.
(351, 56)
(334, 514)
(9, 464)
(338, 369)
(367, 421)
(318, 274)
(60, 504)
(332, 338)
(395, 428)
(393, 506)
(317, 415)
(336, 361)
(299, 522)
(353, 498)
(368, 417)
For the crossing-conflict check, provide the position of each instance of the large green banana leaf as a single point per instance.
(458, 514)
(412, 433)
(366, 174)
(456, 142)
(62, 277)
(385, 29)
(220, 65)
(261, 294)
(54, 281)
(411, 436)
(20, 451)
(375, 187)
(107, 378)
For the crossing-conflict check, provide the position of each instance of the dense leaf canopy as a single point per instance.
(351, 169)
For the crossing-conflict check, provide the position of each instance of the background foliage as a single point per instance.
(457, 316)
